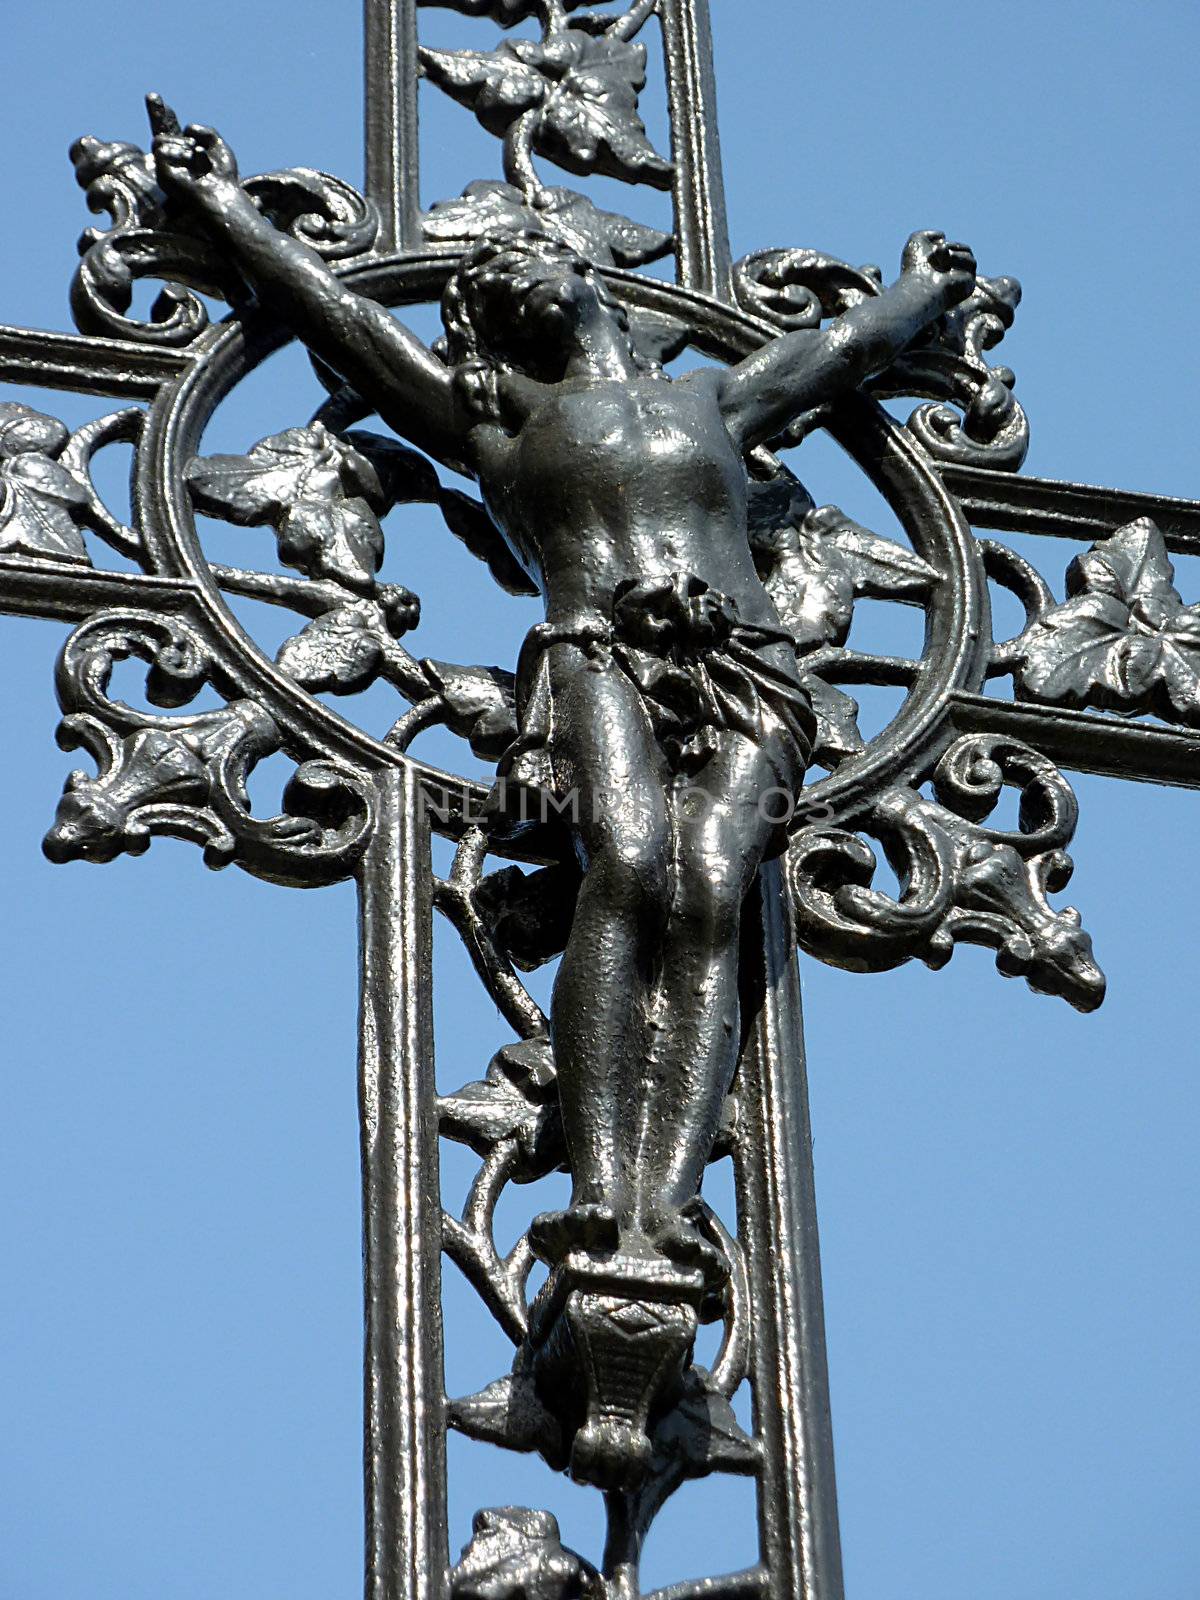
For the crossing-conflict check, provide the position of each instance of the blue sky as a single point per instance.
(1008, 1190)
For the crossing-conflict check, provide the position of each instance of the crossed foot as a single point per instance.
(596, 1230)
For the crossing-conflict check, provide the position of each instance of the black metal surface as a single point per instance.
(404, 1436)
(692, 664)
(1013, 504)
(392, 161)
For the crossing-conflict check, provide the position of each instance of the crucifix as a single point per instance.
(682, 792)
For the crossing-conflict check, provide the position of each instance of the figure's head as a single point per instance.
(520, 301)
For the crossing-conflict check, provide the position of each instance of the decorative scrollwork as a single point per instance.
(511, 1119)
(186, 776)
(960, 881)
(323, 212)
(801, 288)
(603, 1380)
(463, 901)
(993, 430)
(150, 239)
(102, 290)
(117, 177)
(119, 427)
(1022, 579)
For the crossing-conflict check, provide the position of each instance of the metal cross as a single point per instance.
(1086, 672)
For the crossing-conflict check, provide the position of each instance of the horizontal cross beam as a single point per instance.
(1008, 502)
(58, 593)
(86, 366)
(1083, 741)
(1086, 741)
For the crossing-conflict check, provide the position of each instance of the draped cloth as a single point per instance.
(698, 669)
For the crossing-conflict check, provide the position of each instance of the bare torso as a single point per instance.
(609, 480)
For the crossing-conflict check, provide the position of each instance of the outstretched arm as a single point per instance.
(799, 371)
(389, 366)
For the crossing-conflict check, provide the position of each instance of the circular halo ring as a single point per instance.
(956, 614)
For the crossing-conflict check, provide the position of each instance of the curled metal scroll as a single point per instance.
(186, 776)
(983, 424)
(960, 881)
(147, 240)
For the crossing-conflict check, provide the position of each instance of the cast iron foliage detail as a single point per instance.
(324, 494)
(571, 97)
(46, 493)
(489, 207)
(815, 562)
(511, 1119)
(318, 493)
(514, 1552)
(1123, 640)
(324, 491)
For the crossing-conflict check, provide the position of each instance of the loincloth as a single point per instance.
(698, 670)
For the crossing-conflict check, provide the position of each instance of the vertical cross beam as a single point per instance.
(701, 222)
(407, 1556)
(405, 1444)
(798, 1515)
(392, 168)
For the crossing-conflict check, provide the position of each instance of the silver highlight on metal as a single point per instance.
(695, 669)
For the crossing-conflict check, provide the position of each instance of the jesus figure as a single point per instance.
(662, 692)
